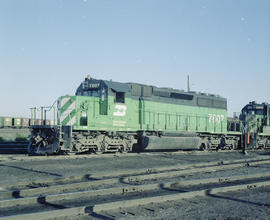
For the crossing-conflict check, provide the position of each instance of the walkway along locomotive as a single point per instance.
(108, 116)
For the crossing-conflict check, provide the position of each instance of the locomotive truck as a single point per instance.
(108, 116)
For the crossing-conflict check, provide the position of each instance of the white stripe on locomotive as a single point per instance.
(72, 121)
(64, 101)
(66, 113)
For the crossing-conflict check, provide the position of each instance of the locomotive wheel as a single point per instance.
(122, 149)
(203, 147)
(204, 144)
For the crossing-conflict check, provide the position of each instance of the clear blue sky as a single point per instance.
(48, 47)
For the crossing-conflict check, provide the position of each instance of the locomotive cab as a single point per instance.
(95, 88)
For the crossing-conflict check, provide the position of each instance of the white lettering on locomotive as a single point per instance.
(120, 110)
(213, 118)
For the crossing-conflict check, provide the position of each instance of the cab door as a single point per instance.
(103, 102)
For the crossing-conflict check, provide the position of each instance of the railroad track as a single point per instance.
(133, 175)
(121, 190)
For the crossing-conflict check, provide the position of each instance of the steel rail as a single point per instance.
(132, 175)
(127, 203)
(123, 190)
(126, 180)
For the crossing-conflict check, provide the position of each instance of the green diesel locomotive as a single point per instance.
(108, 116)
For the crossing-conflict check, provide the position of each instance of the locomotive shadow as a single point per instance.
(208, 193)
(42, 200)
(32, 170)
(16, 194)
(88, 177)
(89, 210)
(162, 186)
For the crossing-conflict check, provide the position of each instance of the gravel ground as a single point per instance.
(245, 204)
(17, 169)
(241, 205)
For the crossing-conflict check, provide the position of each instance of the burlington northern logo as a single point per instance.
(120, 110)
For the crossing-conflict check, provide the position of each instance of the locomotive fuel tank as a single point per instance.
(180, 142)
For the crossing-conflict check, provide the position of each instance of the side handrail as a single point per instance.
(43, 113)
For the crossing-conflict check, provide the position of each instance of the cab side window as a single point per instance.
(120, 97)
